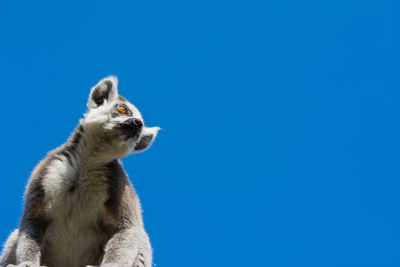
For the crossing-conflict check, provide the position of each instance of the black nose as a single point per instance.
(138, 123)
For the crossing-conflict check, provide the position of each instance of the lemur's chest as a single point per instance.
(73, 194)
(75, 206)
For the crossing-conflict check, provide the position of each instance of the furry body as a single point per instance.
(80, 208)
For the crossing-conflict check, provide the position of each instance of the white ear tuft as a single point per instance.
(104, 92)
(146, 138)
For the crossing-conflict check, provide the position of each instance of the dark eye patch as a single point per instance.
(116, 112)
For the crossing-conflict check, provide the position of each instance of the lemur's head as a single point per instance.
(114, 125)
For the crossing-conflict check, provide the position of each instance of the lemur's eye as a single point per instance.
(122, 109)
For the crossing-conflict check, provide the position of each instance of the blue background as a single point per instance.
(280, 141)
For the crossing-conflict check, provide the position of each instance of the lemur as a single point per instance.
(80, 207)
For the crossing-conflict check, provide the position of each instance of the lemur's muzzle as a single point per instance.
(132, 128)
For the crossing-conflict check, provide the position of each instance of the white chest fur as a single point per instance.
(75, 206)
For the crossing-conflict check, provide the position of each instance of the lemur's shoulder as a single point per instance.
(34, 210)
(122, 205)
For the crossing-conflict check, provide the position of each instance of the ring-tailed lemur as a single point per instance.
(80, 208)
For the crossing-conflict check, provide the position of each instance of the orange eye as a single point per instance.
(122, 109)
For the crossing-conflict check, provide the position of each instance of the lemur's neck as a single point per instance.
(84, 151)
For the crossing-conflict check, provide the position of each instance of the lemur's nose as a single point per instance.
(138, 123)
(132, 127)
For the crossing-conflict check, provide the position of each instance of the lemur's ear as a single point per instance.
(146, 138)
(105, 91)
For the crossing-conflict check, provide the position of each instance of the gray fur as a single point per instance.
(144, 142)
(80, 207)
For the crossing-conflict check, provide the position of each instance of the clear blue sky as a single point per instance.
(280, 142)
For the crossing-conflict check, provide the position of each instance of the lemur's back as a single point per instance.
(80, 207)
